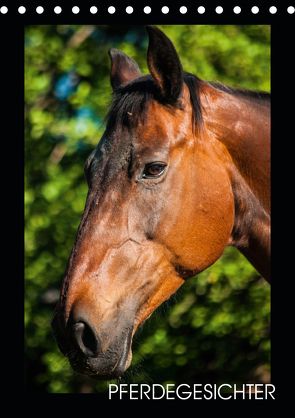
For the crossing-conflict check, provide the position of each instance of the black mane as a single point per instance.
(129, 101)
(261, 96)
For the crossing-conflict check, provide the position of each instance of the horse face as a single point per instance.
(140, 236)
(159, 209)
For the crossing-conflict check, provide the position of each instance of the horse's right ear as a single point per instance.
(123, 68)
(164, 64)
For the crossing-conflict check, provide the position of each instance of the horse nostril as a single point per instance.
(85, 339)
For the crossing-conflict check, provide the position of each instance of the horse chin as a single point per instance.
(117, 373)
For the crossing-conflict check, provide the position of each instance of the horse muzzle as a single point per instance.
(82, 345)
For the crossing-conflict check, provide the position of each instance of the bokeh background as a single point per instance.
(216, 329)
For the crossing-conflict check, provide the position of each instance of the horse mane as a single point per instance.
(129, 101)
(259, 96)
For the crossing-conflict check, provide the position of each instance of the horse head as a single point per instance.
(160, 209)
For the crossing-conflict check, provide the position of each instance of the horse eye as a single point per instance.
(153, 170)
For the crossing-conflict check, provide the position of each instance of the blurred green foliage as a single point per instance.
(216, 328)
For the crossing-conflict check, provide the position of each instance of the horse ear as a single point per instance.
(164, 64)
(123, 68)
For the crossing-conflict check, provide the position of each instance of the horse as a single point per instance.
(182, 171)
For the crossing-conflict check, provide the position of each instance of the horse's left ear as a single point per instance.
(123, 68)
(164, 64)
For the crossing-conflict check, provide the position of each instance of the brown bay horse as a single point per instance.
(182, 171)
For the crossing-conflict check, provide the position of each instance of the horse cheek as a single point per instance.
(198, 229)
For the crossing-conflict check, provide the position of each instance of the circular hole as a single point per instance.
(237, 10)
(57, 10)
(272, 10)
(183, 10)
(219, 10)
(147, 10)
(129, 10)
(22, 10)
(255, 10)
(165, 10)
(111, 10)
(40, 10)
(291, 9)
(93, 10)
(3, 10)
(75, 10)
(201, 9)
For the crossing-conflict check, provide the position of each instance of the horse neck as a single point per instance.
(241, 129)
